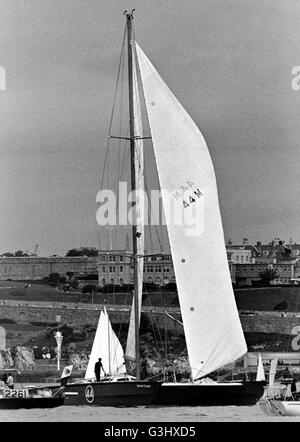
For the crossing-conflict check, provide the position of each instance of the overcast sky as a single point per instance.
(228, 62)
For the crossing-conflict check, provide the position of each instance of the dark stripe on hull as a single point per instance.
(246, 393)
(114, 394)
(14, 404)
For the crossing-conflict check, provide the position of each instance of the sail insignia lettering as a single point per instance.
(192, 198)
(189, 192)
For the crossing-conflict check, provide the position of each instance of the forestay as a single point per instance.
(212, 327)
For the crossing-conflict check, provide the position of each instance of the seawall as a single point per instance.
(29, 268)
(25, 317)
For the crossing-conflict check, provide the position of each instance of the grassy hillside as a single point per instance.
(259, 299)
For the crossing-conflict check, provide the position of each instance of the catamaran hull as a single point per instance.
(275, 407)
(14, 404)
(291, 408)
(229, 393)
(114, 394)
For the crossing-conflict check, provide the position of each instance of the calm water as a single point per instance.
(142, 414)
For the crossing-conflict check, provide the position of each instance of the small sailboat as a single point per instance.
(116, 387)
(281, 399)
(30, 396)
(107, 345)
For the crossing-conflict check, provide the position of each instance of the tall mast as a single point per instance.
(109, 343)
(130, 41)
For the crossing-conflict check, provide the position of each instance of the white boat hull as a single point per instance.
(275, 407)
(292, 408)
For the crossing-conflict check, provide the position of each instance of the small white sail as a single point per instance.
(212, 327)
(106, 346)
(139, 208)
(272, 372)
(260, 375)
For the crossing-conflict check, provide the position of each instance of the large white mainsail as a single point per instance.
(106, 346)
(213, 332)
(138, 209)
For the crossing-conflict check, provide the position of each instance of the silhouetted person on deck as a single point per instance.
(98, 368)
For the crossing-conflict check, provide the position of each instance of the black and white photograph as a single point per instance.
(149, 213)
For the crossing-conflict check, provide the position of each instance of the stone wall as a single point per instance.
(36, 268)
(23, 313)
(276, 331)
(267, 323)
